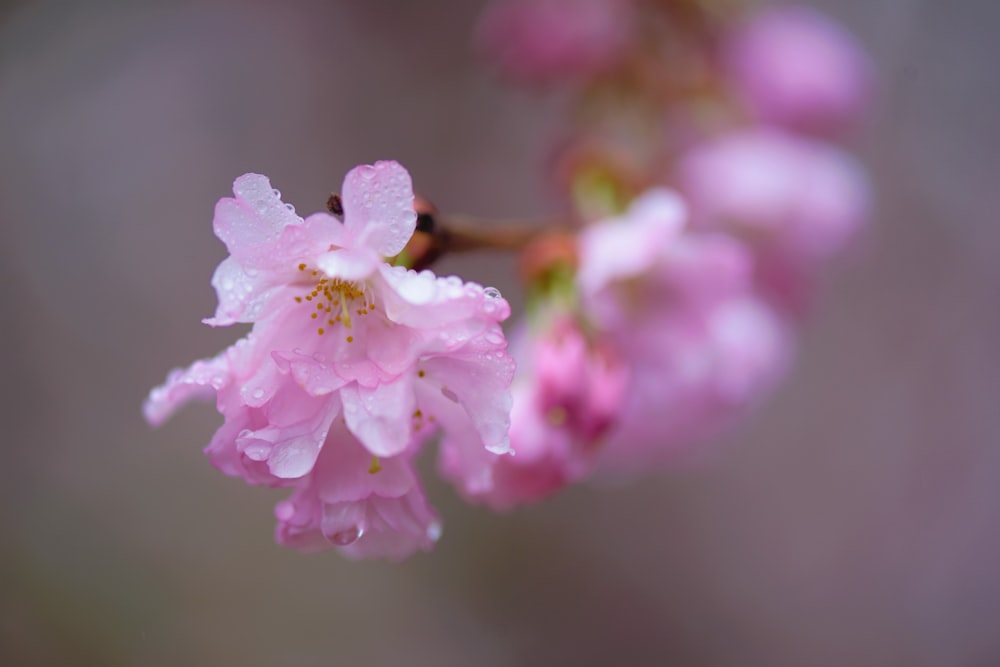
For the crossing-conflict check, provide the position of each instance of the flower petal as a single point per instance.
(380, 416)
(378, 207)
(254, 219)
(201, 380)
(629, 245)
(348, 264)
(422, 300)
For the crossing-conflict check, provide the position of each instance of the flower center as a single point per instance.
(332, 301)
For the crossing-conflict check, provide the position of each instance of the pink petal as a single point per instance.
(380, 417)
(623, 247)
(255, 218)
(422, 300)
(344, 472)
(378, 207)
(242, 298)
(348, 264)
(200, 381)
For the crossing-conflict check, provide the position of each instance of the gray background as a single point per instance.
(855, 521)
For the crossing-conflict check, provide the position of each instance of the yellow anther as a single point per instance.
(556, 416)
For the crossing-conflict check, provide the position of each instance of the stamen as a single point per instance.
(556, 416)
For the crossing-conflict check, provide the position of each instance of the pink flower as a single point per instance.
(700, 348)
(546, 40)
(798, 202)
(347, 354)
(567, 393)
(380, 514)
(798, 68)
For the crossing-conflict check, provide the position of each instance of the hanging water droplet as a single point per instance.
(434, 531)
(346, 537)
(492, 292)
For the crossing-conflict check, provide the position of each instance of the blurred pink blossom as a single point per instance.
(679, 307)
(547, 40)
(797, 202)
(796, 67)
(567, 393)
(348, 354)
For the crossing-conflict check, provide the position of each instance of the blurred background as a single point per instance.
(854, 521)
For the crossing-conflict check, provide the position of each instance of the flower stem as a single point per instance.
(440, 234)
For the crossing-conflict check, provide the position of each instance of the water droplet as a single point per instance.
(492, 292)
(494, 338)
(277, 193)
(290, 207)
(258, 393)
(434, 531)
(346, 537)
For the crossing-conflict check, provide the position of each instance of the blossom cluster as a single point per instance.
(703, 170)
(704, 192)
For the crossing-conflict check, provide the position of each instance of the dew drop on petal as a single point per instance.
(434, 531)
(492, 292)
(346, 537)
